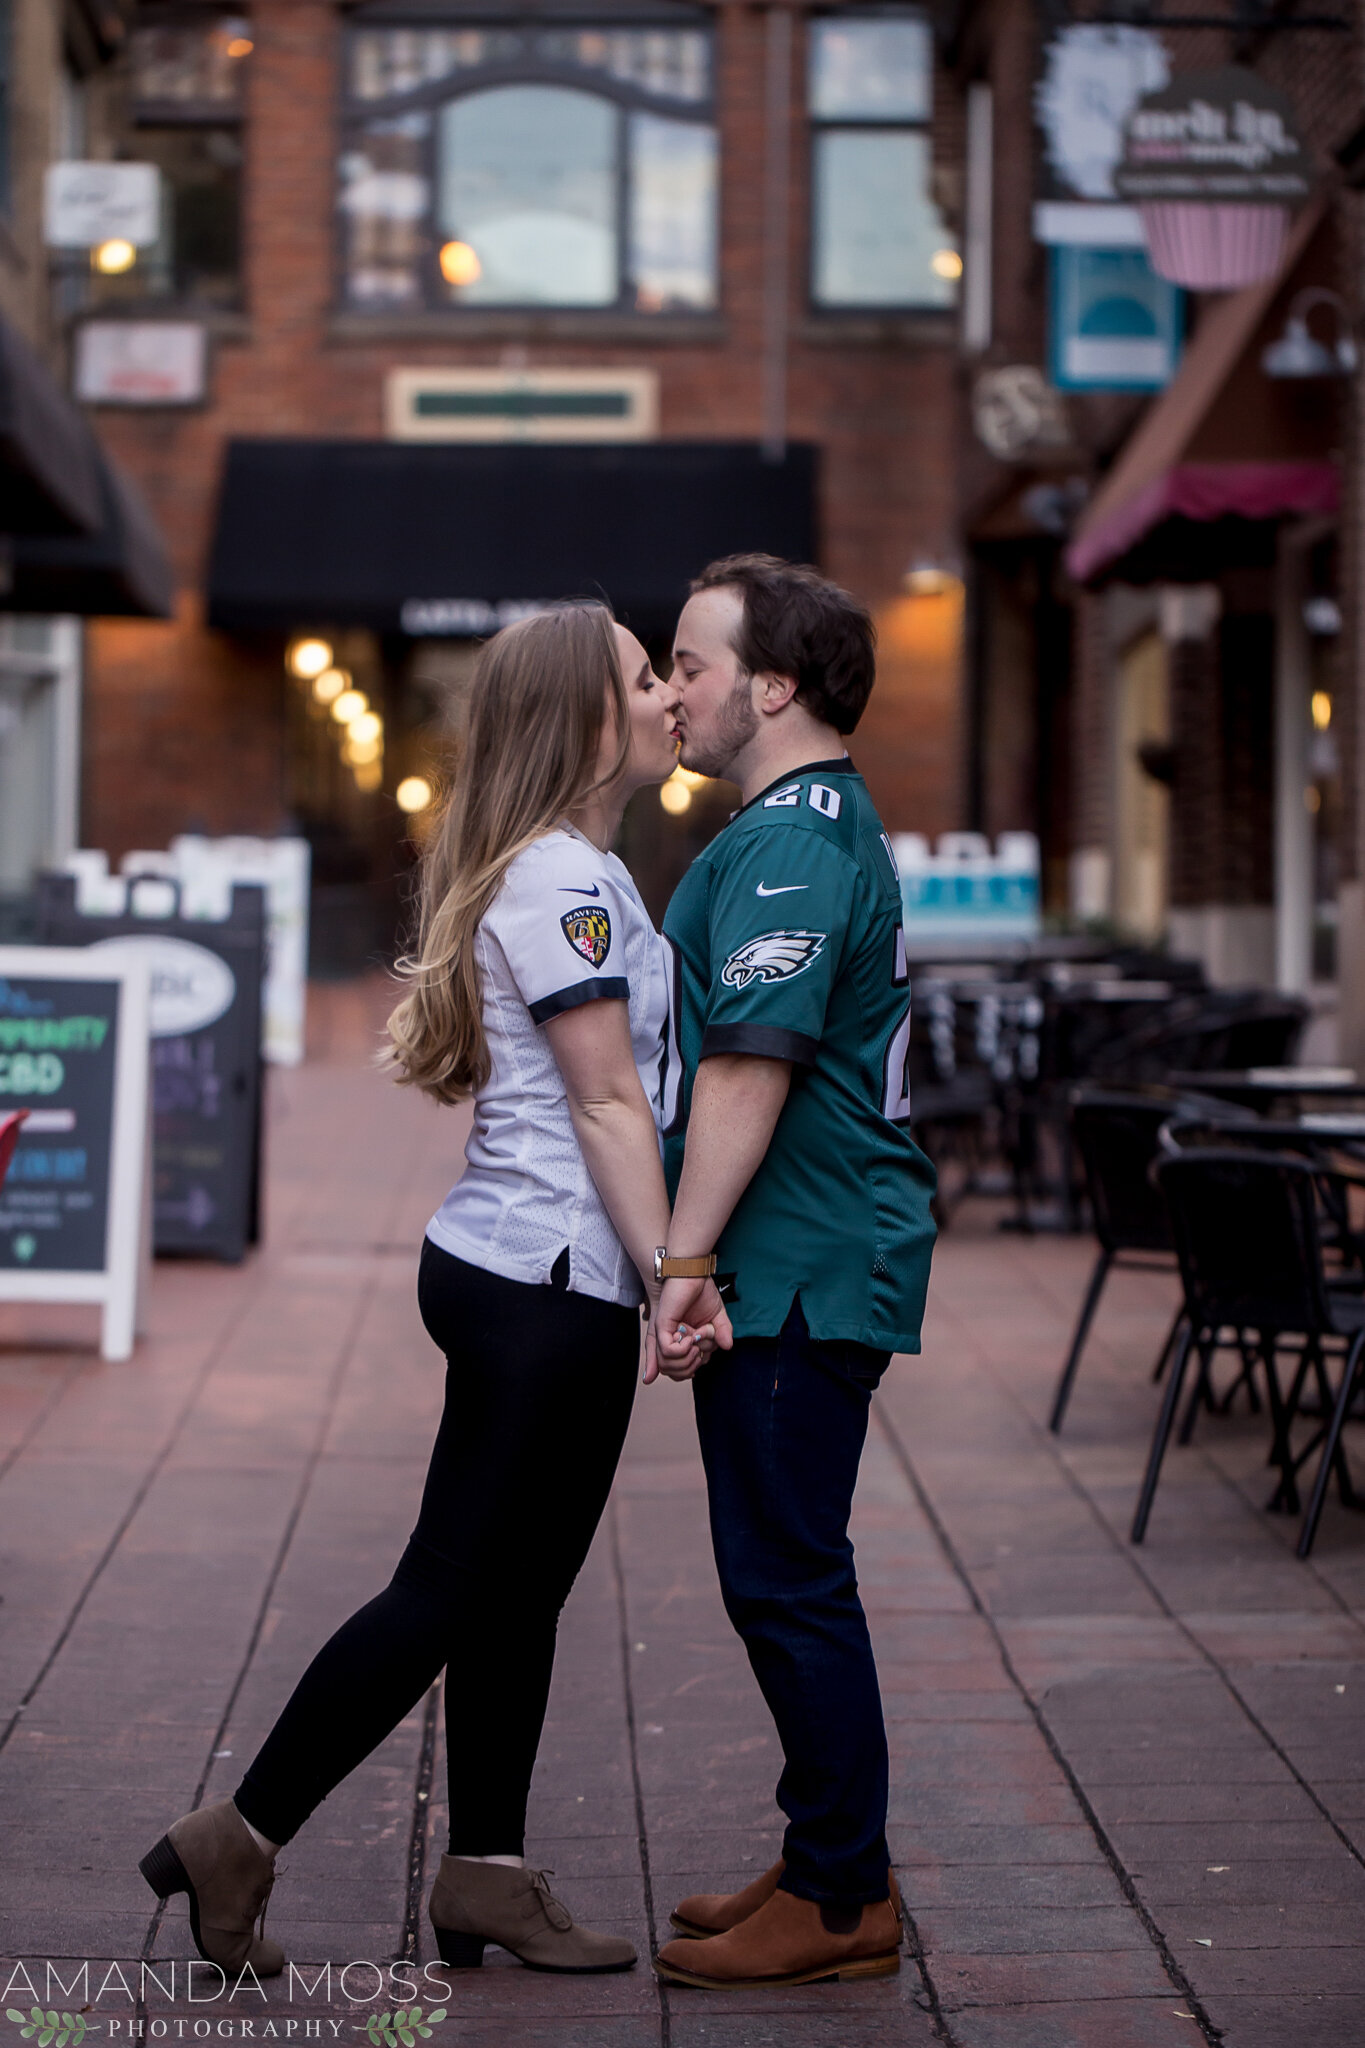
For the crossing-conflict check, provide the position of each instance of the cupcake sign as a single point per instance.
(1216, 163)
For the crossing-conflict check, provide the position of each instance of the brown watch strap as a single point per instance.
(688, 1269)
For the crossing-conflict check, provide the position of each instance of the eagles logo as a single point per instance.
(588, 931)
(777, 956)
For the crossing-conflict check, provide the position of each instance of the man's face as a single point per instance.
(717, 714)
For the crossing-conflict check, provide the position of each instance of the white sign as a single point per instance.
(141, 362)
(1095, 74)
(190, 987)
(115, 1278)
(85, 204)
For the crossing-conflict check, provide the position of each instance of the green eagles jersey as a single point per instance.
(786, 940)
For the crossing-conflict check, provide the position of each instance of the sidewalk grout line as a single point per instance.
(1155, 1936)
(417, 1843)
(47, 1409)
(1140, 1571)
(126, 1519)
(628, 1689)
(330, 1399)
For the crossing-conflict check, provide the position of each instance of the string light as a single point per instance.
(308, 658)
(413, 794)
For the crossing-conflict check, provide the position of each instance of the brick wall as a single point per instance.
(183, 724)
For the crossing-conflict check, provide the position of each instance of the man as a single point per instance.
(800, 1176)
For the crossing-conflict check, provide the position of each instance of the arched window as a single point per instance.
(522, 165)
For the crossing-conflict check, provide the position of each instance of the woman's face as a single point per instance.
(653, 707)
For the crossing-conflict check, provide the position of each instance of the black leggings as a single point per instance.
(538, 1395)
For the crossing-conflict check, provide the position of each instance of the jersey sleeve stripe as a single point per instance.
(578, 992)
(767, 1041)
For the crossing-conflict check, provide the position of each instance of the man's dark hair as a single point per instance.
(797, 623)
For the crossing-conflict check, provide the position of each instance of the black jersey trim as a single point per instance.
(767, 1041)
(578, 992)
(843, 766)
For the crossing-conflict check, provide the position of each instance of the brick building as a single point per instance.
(1163, 628)
(414, 230)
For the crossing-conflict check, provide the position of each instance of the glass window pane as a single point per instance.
(876, 228)
(871, 70)
(673, 62)
(385, 61)
(529, 180)
(673, 214)
(197, 255)
(200, 65)
(384, 198)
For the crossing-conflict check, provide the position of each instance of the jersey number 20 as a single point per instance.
(896, 1071)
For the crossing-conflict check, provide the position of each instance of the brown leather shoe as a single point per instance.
(475, 1903)
(706, 1913)
(211, 1855)
(788, 1941)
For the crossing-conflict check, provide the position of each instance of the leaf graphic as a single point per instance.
(434, 2018)
(11, 2014)
(407, 2037)
(45, 2037)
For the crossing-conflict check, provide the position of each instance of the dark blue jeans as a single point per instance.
(782, 1421)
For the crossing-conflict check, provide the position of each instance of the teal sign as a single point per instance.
(1115, 325)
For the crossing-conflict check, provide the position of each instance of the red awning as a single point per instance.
(1205, 490)
(1184, 459)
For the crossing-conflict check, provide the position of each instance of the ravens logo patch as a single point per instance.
(588, 931)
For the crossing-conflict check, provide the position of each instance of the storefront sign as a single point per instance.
(73, 1209)
(205, 993)
(1114, 324)
(963, 891)
(85, 204)
(141, 362)
(1223, 136)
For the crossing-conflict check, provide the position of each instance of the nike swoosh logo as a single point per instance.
(594, 891)
(786, 889)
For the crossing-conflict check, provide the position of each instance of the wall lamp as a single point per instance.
(1299, 354)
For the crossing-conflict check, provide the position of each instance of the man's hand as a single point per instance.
(688, 1325)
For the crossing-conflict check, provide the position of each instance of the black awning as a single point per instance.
(119, 571)
(49, 468)
(451, 540)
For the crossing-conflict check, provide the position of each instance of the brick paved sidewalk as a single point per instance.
(1129, 1787)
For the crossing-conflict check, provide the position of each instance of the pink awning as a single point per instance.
(1206, 490)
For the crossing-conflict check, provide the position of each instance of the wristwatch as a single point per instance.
(682, 1269)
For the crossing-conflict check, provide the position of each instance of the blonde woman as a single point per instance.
(538, 988)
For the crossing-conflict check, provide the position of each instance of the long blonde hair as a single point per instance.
(537, 714)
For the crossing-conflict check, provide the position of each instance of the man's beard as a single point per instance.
(736, 724)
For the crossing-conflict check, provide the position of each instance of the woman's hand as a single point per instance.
(689, 1323)
(702, 1341)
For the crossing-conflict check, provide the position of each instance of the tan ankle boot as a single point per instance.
(788, 1941)
(210, 1854)
(475, 1903)
(707, 1913)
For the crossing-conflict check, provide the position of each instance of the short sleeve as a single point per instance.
(779, 910)
(558, 921)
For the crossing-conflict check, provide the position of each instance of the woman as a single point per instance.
(539, 987)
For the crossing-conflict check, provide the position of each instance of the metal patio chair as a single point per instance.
(1118, 1137)
(1246, 1226)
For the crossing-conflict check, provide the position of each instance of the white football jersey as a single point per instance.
(566, 927)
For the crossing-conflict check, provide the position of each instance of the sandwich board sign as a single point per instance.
(75, 1205)
(205, 1023)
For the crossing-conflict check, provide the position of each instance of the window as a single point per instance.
(877, 238)
(187, 79)
(526, 166)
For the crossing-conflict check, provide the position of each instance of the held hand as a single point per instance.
(689, 1323)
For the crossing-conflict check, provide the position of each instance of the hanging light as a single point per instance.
(1299, 354)
(946, 263)
(460, 264)
(308, 658)
(351, 704)
(329, 685)
(115, 256)
(413, 794)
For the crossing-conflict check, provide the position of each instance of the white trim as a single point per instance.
(1087, 224)
(978, 253)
